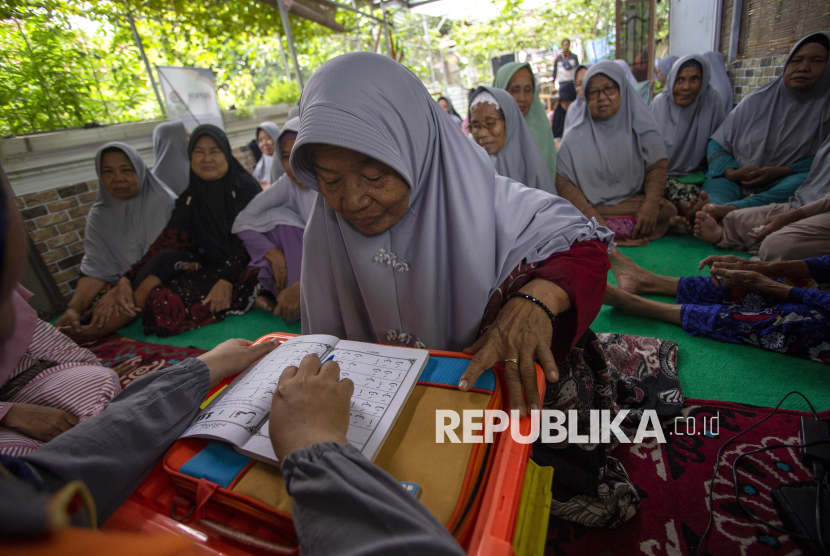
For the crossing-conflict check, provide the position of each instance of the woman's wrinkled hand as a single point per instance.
(124, 298)
(522, 331)
(38, 421)
(646, 219)
(740, 279)
(219, 297)
(70, 322)
(106, 308)
(775, 223)
(288, 303)
(278, 267)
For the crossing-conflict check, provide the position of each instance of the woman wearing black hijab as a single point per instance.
(567, 94)
(196, 270)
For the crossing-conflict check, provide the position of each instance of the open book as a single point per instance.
(383, 377)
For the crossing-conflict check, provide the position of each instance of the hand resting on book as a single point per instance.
(234, 356)
(311, 405)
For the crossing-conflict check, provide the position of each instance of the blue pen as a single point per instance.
(331, 357)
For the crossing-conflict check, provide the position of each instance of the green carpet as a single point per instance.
(708, 369)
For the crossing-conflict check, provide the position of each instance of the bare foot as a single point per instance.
(707, 229)
(630, 277)
(688, 210)
(719, 211)
(680, 226)
(264, 302)
(619, 298)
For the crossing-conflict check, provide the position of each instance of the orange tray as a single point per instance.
(148, 508)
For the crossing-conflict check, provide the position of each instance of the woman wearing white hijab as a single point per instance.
(764, 149)
(612, 161)
(266, 137)
(131, 210)
(497, 125)
(416, 240)
(172, 165)
(271, 227)
(688, 111)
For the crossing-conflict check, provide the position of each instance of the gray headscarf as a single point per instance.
(262, 171)
(686, 130)
(570, 115)
(777, 125)
(172, 165)
(431, 275)
(283, 204)
(623, 66)
(607, 160)
(520, 158)
(720, 80)
(817, 184)
(119, 232)
(665, 65)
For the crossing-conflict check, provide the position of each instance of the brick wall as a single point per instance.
(56, 222)
(752, 73)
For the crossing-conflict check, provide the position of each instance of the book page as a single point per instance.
(239, 412)
(383, 377)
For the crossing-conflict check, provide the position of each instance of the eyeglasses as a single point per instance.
(610, 91)
(486, 123)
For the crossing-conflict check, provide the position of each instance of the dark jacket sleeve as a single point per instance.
(113, 451)
(345, 504)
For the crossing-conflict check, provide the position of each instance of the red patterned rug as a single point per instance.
(674, 479)
(148, 357)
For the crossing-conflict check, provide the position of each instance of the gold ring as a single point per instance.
(512, 361)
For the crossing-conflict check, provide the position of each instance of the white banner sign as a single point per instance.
(190, 95)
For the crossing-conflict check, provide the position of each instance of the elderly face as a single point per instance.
(12, 266)
(368, 193)
(687, 86)
(521, 89)
(488, 127)
(265, 143)
(118, 177)
(603, 96)
(580, 75)
(285, 154)
(805, 67)
(207, 159)
(444, 104)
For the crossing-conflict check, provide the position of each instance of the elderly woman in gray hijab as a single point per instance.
(172, 165)
(415, 240)
(795, 230)
(446, 104)
(271, 227)
(764, 149)
(266, 138)
(688, 111)
(612, 161)
(131, 210)
(720, 80)
(497, 125)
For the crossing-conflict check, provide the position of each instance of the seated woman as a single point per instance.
(720, 80)
(196, 270)
(266, 138)
(172, 165)
(497, 126)
(131, 210)
(567, 96)
(781, 231)
(688, 111)
(446, 104)
(612, 161)
(518, 80)
(271, 227)
(763, 150)
(576, 107)
(744, 302)
(418, 241)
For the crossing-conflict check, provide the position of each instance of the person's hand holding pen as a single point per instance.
(311, 405)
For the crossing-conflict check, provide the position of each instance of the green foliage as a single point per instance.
(281, 92)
